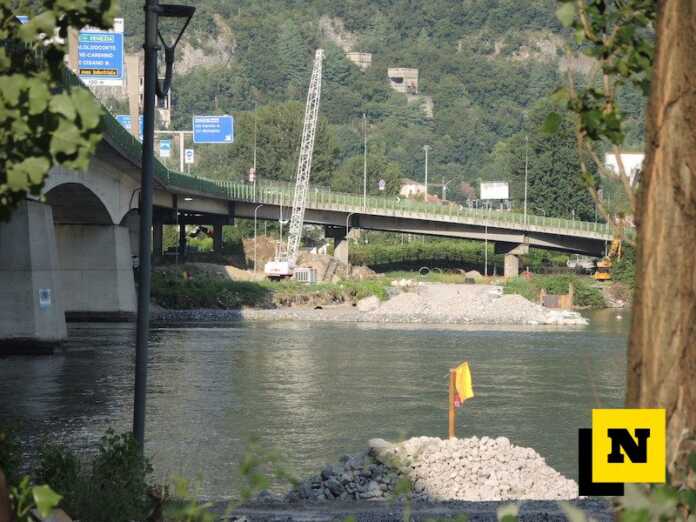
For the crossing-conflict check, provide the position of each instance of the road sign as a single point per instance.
(188, 156)
(23, 18)
(495, 190)
(100, 55)
(252, 175)
(382, 184)
(213, 129)
(165, 148)
(125, 120)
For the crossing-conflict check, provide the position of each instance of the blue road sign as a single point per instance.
(125, 120)
(213, 129)
(165, 148)
(23, 18)
(100, 55)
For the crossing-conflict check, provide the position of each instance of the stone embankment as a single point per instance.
(432, 469)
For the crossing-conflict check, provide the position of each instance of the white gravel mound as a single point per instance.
(439, 470)
(476, 469)
(474, 304)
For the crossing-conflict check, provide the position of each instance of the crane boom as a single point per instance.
(304, 163)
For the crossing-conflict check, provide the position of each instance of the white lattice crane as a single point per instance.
(284, 264)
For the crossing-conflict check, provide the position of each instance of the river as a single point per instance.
(315, 391)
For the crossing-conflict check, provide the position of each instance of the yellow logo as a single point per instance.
(628, 445)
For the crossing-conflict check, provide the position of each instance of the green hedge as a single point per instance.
(586, 295)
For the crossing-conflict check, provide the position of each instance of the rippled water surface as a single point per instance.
(315, 390)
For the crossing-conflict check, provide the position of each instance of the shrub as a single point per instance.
(10, 454)
(586, 295)
(111, 488)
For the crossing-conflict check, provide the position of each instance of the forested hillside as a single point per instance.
(486, 64)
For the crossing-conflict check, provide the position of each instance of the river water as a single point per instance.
(315, 391)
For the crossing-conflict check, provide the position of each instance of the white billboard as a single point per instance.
(495, 190)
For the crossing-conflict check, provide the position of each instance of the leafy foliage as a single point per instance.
(585, 294)
(483, 67)
(110, 488)
(40, 124)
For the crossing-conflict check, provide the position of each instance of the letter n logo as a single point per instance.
(628, 445)
(621, 439)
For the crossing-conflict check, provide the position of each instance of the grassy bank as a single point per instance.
(586, 295)
(171, 290)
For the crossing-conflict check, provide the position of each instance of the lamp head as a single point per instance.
(183, 15)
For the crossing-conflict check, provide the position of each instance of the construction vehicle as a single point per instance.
(603, 272)
(283, 264)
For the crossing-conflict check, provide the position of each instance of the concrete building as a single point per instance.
(403, 80)
(632, 162)
(411, 189)
(362, 60)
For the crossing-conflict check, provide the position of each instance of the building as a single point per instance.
(632, 162)
(362, 60)
(411, 189)
(403, 80)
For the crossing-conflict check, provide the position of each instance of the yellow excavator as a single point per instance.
(603, 272)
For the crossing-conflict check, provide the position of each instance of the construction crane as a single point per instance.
(283, 264)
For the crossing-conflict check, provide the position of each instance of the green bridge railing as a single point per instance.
(277, 194)
(320, 198)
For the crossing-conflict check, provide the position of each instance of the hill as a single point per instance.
(482, 64)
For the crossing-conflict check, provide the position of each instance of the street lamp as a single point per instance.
(444, 188)
(255, 210)
(365, 162)
(426, 148)
(152, 88)
(526, 163)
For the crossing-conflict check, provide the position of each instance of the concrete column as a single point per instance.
(96, 272)
(512, 266)
(512, 261)
(182, 240)
(341, 249)
(32, 314)
(157, 240)
(217, 239)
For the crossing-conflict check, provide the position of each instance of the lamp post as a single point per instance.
(255, 211)
(444, 188)
(152, 88)
(426, 148)
(364, 161)
(526, 162)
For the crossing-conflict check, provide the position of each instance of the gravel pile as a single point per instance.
(470, 469)
(476, 304)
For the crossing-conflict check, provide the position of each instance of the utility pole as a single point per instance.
(526, 163)
(148, 165)
(426, 148)
(254, 165)
(364, 161)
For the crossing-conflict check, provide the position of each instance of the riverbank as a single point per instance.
(424, 303)
(208, 293)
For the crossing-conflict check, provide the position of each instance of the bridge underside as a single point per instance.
(562, 243)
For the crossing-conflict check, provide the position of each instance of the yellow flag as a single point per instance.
(462, 382)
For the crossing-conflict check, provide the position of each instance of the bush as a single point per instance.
(111, 488)
(586, 295)
(10, 454)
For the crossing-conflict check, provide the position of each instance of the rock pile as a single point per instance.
(457, 469)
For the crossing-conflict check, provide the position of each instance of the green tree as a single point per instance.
(43, 121)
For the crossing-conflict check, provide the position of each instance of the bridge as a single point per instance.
(71, 252)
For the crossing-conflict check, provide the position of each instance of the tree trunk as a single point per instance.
(662, 347)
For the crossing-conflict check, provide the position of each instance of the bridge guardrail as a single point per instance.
(325, 199)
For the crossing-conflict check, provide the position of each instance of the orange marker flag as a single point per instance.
(462, 383)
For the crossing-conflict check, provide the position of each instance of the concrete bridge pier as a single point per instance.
(217, 238)
(96, 271)
(338, 234)
(512, 261)
(32, 314)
